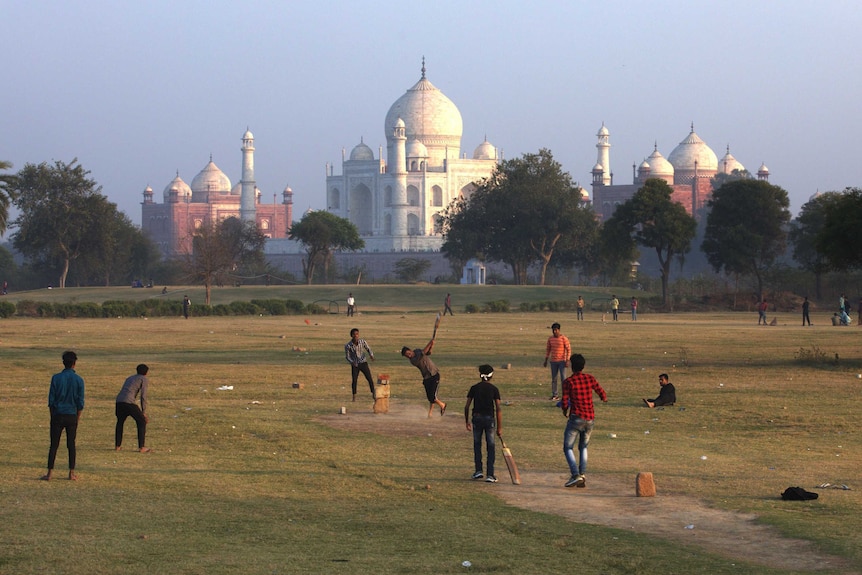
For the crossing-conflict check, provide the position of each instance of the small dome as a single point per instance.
(603, 131)
(210, 180)
(598, 168)
(763, 169)
(148, 190)
(585, 195)
(485, 151)
(361, 152)
(728, 163)
(248, 135)
(693, 150)
(183, 190)
(399, 123)
(659, 166)
(644, 165)
(416, 149)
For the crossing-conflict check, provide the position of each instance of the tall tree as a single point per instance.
(60, 213)
(745, 229)
(220, 248)
(653, 220)
(519, 215)
(804, 231)
(8, 191)
(322, 233)
(839, 239)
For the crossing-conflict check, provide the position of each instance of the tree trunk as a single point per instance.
(208, 286)
(64, 273)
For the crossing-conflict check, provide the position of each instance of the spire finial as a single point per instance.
(692, 126)
(423, 67)
(655, 146)
(211, 156)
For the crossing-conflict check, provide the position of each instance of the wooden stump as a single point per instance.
(645, 485)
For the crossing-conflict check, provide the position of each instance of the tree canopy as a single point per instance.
(322, 233)
(520, 215)
(804, 232)
(745, 228)
(219, 248)
(63, 215)
(653, 220)
(839, 239)
(8, 191)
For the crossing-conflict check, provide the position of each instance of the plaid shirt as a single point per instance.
(578, 395)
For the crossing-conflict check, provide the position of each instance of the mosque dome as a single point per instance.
(659, 166)
(210, 180)
(644, 165)
(585, 195)
(598, 168)
(184, 192)
(728, 163)
(763, 169)
(248, 135)
(603, 131)
(361, 152)
(485, 151)
(692, 149)
(416, 149)
(428, 116)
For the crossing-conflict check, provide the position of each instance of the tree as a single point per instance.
(653, 220)
(519, 215)
(411, 269)
(322, 233)
(62, 214)
(745, 229)
(839, 240)
(219, 248)
(7, 194)
(803, 235)
(722, 178)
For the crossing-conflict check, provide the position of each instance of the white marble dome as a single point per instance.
(210, 180)
(184, 192)
(692, 149)
(361, 152)
(728, 163)
(416, 149)
(485, 151)
(429, 117)
(659, 166)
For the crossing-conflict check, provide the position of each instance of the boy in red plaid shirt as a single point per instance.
(577, 406)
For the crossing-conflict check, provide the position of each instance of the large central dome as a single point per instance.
(429, 117)
(693, 150)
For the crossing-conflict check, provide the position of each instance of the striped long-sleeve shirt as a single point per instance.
(558, 349)
(355, 352)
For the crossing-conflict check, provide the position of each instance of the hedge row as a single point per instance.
(155, 308)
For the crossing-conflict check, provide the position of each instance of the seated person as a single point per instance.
(666, 395)
(835, 319)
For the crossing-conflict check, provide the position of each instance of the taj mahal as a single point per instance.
(396, 198)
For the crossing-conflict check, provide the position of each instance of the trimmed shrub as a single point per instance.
(471, 308)
(28, 308)
(7, 309)
(498, 306)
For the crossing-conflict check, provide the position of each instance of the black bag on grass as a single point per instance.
(798, 494)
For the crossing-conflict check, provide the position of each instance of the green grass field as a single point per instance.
(254, 480)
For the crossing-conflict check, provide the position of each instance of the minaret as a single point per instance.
(247, 208)
(398, 165)
(288, 207)
(604, 156)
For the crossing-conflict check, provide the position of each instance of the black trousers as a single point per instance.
(125, 410)
(59, 422)
(366, 371)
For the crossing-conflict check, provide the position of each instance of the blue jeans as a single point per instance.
(484, 425)
(557, 367)
(579, 429)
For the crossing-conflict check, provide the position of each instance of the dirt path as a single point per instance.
(611, 502)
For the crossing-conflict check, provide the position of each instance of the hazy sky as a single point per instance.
(140, 90)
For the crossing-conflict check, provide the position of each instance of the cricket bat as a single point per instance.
(510, 463)
(436, 325)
